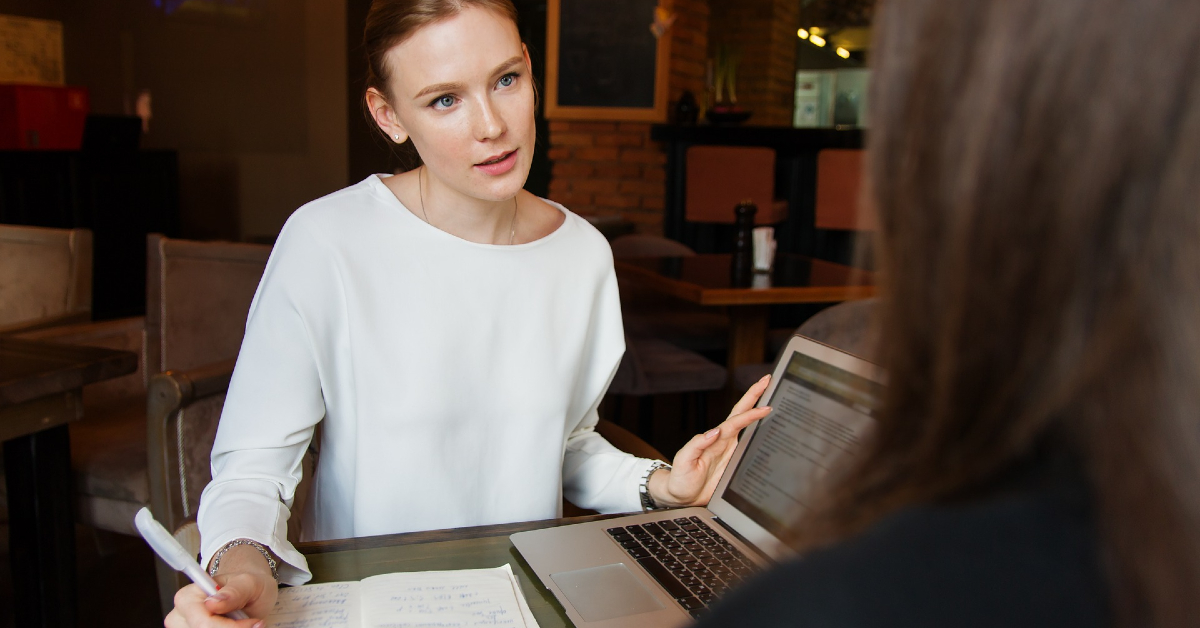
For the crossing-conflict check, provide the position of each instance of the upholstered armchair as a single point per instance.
(45, 277)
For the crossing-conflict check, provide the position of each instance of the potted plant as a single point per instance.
(725, 109)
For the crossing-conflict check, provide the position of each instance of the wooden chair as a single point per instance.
(720, 177)
(844, 219)
(839, 201)
(198, 296)
(45, 277)
(183, 409)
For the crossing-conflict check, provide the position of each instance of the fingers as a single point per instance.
(721, 434)
(737, 422)
(751, 397)
(255, 593)
(195, 609)
(692, 449)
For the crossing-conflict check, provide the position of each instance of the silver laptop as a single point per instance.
(663, 568)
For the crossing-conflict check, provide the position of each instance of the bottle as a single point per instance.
(743, 243)
(686, 109)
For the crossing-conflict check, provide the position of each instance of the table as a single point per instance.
(464, 548)
(708, 279)
(40, 392)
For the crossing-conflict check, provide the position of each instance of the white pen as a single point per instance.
(174, 555)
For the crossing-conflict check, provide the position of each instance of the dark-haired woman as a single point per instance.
(453, 333)
(1036, 169)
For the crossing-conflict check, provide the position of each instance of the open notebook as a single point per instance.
(463, 598)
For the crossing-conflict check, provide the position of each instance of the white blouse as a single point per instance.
(458, 382)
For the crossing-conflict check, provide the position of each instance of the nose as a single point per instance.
(489, 122)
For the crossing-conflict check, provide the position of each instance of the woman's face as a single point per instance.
(462, 90)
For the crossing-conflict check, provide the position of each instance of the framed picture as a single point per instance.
(605, 62)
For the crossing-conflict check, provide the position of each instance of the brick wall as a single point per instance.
(763, 33)
(614, 167)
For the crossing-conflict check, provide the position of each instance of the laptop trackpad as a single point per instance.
(601, 593)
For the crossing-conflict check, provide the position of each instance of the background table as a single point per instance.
(709, 279)
(40, 392)
(464, 548)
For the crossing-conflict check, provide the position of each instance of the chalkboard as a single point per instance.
(603, 62)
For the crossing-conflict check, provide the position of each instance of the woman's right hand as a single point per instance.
(244, 582)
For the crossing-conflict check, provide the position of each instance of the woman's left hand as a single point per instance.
(698, 466)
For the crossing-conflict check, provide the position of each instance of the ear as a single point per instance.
(385, 116)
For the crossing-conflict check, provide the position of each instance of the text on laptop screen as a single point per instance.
(819, 412)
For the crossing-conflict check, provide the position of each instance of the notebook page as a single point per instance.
(465, 598)
(328, 605)
(530, 621)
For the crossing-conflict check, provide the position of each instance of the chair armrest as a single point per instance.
(168, 394)
(86, 332)
(43, 323)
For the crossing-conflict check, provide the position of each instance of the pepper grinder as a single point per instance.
(742, 267)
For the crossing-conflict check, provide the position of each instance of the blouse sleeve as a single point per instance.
(597, 475)
(273, 404)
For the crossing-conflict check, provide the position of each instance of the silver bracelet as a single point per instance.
(216, 559)
(644, 488)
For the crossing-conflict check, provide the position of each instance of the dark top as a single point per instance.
(1026, 555)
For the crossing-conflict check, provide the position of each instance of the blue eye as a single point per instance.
(443, 102)
(507, 80)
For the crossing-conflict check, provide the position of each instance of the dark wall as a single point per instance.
(368, 153)
(41, 9)
(532, 14)
(248, 95)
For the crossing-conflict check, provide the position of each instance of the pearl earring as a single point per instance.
(397, 136)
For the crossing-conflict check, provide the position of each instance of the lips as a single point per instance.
(498, 164)
(497, 159)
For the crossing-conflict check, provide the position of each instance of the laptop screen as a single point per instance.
(819, 413)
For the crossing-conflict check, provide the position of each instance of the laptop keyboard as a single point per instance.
(687, 557)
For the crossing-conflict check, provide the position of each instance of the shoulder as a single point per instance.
(337, 209)
(1020, 560)
(343, 214)
(578, 232)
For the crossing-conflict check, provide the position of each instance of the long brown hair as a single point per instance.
(1036, 168)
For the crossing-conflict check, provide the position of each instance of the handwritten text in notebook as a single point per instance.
(447, 599)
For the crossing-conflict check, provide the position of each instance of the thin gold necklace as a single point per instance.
(512, 225)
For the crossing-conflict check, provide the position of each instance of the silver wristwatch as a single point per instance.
(644, 488)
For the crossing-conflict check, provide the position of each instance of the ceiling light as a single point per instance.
(817, 39)
(843, 53)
